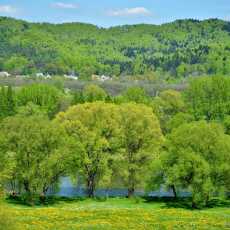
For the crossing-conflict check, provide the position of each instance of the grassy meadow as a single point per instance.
(114, 213)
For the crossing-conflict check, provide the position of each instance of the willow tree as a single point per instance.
(166, 106)
(38, 148)
(197, 158)
(95, 126)
(141, 141)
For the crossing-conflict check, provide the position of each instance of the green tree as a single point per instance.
(197, 158)
(78, 98)
(142, 139)
(7, 102)
(226, 124)
(177, 120)
(7, 163)
(30, 109)
(11, 104)
(39, 149)
(96, 127)
(167, 105)
(16, 64)
(192, 172)
(3, 103)
(45, 96)
(208, 98)
(134, 94)
(93, 93)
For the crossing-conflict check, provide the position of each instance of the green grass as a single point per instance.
(117, 213)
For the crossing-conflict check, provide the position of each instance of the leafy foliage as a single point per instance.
(38, 151)
(142, 139)
(197, 158)
(109, 141)
(45, 96)
(209, 97)
(96, 127)
(180, 48)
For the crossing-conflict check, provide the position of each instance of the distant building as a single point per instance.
(100, 78)
(105, 78)
(42, 75)
(73, 77)
(47, 76)
(39, 75)
(95, 77)
(4, 74)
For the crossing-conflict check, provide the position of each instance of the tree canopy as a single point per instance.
(181, 48)
(196, 158)
(178, 141)
(36, 149)
(96, 127)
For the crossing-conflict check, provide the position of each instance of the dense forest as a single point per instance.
(171, 51)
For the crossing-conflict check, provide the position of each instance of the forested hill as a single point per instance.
(180, 48)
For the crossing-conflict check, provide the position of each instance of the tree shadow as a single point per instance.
(43, 201)
(170, 202)
(165, 202)
(186, 203)
(223, 203)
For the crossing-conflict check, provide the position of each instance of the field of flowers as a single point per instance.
(112, 214)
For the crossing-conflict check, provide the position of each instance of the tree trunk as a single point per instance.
(206, 200)
(90, 187)
(174, 191)
(29, 197)
(42, 198)
(45, 190)
(131, 186)
(194, 204)
(26, 187)
(131, 192)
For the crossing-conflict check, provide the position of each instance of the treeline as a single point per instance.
(175, 140)
(174, 50)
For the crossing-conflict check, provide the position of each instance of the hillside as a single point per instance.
(177, 49)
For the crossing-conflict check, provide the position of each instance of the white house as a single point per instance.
(105, 78)
(48, 76)
(45, 76)
(101, 78)
(4, 74)
(39, 75)
(71, 77)
(95, 77)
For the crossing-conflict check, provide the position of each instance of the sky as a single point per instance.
(106, 13)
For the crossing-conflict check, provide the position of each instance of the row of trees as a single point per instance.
(131, 140)
(97, 140)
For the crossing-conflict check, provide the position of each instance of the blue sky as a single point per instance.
(114, 12)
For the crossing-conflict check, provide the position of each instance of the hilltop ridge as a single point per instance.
(177, 49)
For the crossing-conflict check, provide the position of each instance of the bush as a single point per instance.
(101, 198)
(137, 199)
